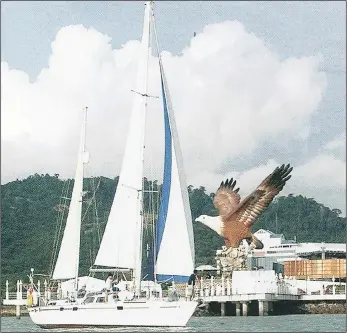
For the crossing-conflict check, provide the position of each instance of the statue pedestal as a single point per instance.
(232, 259)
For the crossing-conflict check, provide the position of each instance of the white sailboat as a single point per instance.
(121, 245)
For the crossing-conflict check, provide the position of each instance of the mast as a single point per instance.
(83, 156)
(146, 39)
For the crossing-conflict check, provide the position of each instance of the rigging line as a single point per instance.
(93, 246)
(96, 243)
(97, 215)
(156, 36)
(90, 202)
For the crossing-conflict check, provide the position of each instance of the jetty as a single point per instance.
(262, 290)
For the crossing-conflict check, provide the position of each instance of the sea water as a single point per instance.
(287, 323)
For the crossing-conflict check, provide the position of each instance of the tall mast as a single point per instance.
(83, 157)
(145, 44)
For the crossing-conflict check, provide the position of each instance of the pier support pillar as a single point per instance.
(238, 309)
(222, 309)
(263, 308)
(244, 309)
(18, 311)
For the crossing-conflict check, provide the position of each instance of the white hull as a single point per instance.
(135, 313)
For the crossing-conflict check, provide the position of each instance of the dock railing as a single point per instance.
(205, 288)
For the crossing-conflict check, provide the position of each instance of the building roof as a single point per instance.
(263, 231)
(276, 236)
(308, 248)
(302, 248)
(206, 268)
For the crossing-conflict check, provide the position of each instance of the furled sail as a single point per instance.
(67, 263)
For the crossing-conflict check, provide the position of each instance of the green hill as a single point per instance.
(29, 210)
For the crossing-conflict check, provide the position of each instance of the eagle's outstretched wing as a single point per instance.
(252, 206)
(226, 199)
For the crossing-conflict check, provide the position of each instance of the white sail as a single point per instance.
(121, 240)
(67, 263)
(175, 239)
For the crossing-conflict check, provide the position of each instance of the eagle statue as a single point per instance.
(235, 216)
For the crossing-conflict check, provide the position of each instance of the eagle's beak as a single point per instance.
(197, 220)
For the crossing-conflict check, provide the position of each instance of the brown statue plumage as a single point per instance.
(235, 216)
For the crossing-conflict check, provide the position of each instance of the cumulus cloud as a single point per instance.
(230, 92)
(337, 145)
(322, 178)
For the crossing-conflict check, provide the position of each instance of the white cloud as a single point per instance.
(230, 94)
(337, 144)
(322, 178)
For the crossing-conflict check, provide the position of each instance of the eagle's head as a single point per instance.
(213, 222)
(202, 218)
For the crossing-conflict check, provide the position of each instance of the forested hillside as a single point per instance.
(30, 207)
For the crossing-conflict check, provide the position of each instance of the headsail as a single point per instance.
(121, 240)
(175, 239)
(68, 259)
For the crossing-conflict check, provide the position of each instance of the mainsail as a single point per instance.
(67, 263)
(121, 243)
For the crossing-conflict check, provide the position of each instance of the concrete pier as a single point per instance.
(222, 309)
(238, 309)
(18, 311)
(244, 308)
(263, 308)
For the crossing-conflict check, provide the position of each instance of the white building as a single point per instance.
(275, 245)
(277, 250)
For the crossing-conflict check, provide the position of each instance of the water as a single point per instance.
(290, 323)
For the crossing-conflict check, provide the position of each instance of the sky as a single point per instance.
(261, 84)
